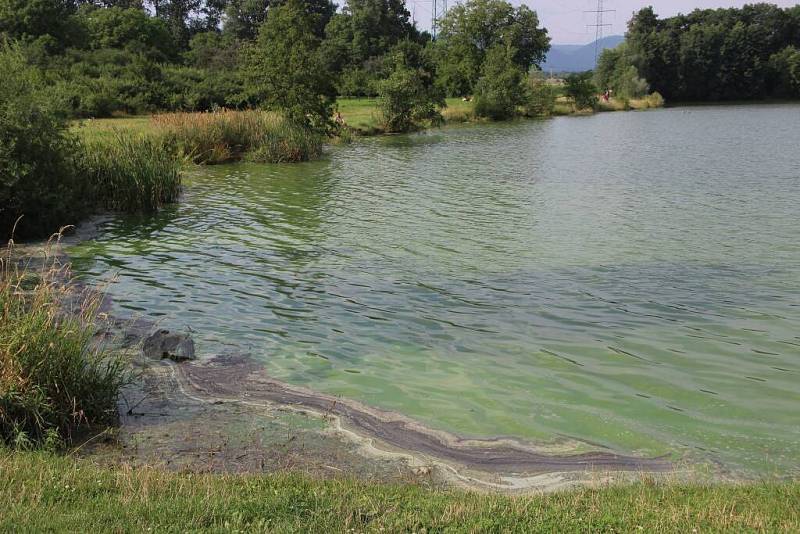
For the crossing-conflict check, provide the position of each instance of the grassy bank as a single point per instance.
(45, 492)
(360, 114)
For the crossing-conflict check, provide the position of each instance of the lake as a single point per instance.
(627, 279)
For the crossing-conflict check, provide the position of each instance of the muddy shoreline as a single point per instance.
(236, 378)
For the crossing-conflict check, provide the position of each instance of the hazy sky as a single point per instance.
(566, 20)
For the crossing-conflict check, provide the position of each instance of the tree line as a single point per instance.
(708, 55)
(134, 56)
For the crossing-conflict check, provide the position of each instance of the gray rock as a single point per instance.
(165, 344)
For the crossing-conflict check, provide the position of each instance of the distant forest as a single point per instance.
(710, 55)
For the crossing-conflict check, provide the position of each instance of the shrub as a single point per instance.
(501, 87)
(627, 84)
(540, 98)
(581, 90)
(197, 89)
(53, 381)
(38, 158)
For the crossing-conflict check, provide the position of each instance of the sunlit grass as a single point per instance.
(44, 492)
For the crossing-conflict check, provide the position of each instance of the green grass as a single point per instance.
(362, 113)
(99, 129)
(41, 492)
(359, 113)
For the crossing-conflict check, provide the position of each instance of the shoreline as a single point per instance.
(159, 410)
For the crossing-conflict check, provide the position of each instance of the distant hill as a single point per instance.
(576, 58)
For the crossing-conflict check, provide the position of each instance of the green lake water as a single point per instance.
(628, 279)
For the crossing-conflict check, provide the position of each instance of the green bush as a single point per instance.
(53, 383)
(49, 178)
(501, 88)
(540, 98)
(39, 160)
(581, 90)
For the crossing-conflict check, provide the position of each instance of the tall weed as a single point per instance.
(54, 381)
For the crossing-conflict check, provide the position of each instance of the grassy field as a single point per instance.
(99, 129)
(361, 113)
(41, 492)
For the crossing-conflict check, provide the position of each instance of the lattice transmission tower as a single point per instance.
(599, 27)
(438, 11)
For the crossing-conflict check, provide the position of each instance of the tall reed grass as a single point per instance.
(224, 136)
(54, 382)
(132, 172)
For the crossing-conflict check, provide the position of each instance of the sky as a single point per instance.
(567, 22)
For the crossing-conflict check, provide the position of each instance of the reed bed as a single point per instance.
(654, 100)
(224, 136)
(54, 381)
(132, 172)
(458, 114)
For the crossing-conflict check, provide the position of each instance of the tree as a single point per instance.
(358, 38)
(615, 71)
(501, 88)
(712, 54)
(245, 17)
(471, 29)
(49, 21)
(115, 27)
(284, 71)
(786, 68)
(581, 90)
(409, 96)
(176, 13)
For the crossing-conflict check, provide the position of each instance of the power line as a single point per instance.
(599, 26)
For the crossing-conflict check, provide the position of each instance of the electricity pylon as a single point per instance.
(438, 11)
(599, 26)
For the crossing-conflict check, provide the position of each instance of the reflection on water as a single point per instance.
(631, 279)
